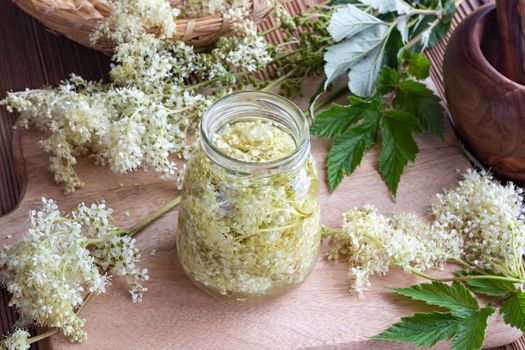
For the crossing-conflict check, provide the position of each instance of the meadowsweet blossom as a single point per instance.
(491, 218)
(480, 223)
(18, 340)
(61, 258)
(147, 113)
(374, 243)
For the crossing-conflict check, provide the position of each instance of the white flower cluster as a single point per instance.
(61, 258)
(147, 112)
(490, 217)
(480, 223)
(18, 340)
(374, 243)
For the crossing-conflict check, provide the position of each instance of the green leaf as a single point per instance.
(349, 21)
(436, 29)
(402, 28)
(454, 297)
(418, 64)
(347, 150)
(362, 51)
(471, 331)
(336, 120)
(417, 99)
(392, 47)
(399, 147)
(513, 310)
(384, 6)
(422, 329)
(363, 74)
(494, 288)
(387, 80)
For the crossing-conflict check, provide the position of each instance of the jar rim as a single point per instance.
(292, 118)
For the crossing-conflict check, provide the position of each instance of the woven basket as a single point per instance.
(76, 19)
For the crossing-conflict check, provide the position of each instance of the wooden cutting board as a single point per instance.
(175, 314)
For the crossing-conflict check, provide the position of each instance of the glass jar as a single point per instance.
(248, 224)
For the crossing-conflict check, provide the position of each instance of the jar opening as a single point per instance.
(252, 109)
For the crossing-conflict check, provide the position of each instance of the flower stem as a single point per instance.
(467, 277)
(154, 216)
(331, 98)
(418, 37)
(280, 80)
(133, 231)
(328, 231)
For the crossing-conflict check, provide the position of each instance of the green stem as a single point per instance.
(435, 13)
(291, 42)
(269, 30)
(154, 216)
(328, 231)
(467, 277)
(331, 98)
(462, 262)
(205, 83)
(95, 241)
(41, 336)
(280, 80)
(418, 37)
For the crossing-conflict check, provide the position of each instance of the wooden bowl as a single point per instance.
(487, 108)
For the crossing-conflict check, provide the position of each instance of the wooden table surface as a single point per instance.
(32, 57)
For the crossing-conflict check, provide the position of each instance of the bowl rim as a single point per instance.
(476, 32)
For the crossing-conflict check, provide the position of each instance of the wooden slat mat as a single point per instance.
(32, 57)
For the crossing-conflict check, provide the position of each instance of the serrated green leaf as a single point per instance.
(363, 74)
(513, 310)
(471, 331)
(436, 29)
(454, 297)
(399, 147)
(362, 51)
(417, 99)
(384, 6)
(347, 150)
(418, 64)
(402, 27)
(336, 120)
(422, 329)
(387, 80)
(392, 47)
(349, 21)
(490, 287)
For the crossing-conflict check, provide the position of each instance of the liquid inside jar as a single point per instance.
(244, 236)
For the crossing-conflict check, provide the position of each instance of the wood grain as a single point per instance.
(175, 314)
(486, 106)
(511, 28)
(321, 314)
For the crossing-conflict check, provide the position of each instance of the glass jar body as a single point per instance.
(250, 230)
(242, 238)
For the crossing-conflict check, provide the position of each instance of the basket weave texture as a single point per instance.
(76, 19)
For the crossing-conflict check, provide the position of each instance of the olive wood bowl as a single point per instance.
(487, 108)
